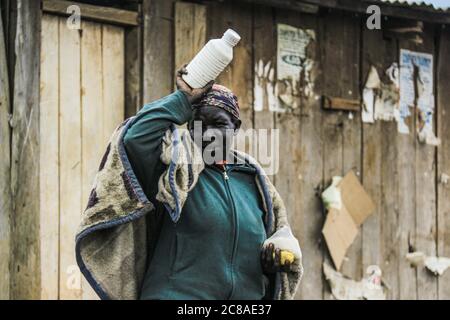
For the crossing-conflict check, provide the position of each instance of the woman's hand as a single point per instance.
(271, 260)
(193, 95)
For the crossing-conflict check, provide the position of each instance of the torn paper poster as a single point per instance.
(425, 112)
(437, 265)
(416, 93)
(370, 91)
(408, 74)
(380, 99)
(348, 206)
(368, 288)
(264, 89)
(386, 106)
(294, 68)
(393, 74)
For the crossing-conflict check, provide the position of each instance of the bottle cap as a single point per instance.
(231, 37)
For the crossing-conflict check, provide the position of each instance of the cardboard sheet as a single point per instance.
(341, 225)
(339, 231)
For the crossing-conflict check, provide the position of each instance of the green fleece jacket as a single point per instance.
(213, 250)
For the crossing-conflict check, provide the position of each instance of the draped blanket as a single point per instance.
(112, 240)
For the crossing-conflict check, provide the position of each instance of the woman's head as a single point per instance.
(216, 120)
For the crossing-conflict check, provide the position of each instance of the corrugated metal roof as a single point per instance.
(441, 5)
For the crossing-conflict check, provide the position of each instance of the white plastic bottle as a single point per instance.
(211, 60)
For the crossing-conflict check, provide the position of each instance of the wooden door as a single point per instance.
(82, 102)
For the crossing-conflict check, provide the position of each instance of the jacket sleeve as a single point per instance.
(144, 136)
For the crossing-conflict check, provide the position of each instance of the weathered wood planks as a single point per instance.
(5, 170)
(443, 157)
(158, 48)
(421, 183)
(190, 31)
(82, 102)
(49, 157)
(341, 131)
(93, 12)
(264, 62)
(238, 76)
(25, 175)
(70, 158)
(401, 175)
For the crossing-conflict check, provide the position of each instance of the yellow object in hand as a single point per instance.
(285, 256)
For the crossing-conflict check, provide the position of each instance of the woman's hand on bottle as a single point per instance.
(193, 95)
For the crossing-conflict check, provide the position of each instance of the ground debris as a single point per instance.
(342, 288)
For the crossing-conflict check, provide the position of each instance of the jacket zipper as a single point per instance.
(236, 227)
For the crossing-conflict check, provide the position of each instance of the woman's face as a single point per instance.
(213, 129)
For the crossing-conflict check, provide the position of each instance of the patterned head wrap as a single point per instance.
(222, 97)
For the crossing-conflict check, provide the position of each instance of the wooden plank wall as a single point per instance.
(341, 131)
(82, 102)
(190, 31)
(58, 89)
(5, 168)
(443, 156)
(25, 175)
(405, 178)
(401, 175)
(157, 49)
(49, 182)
